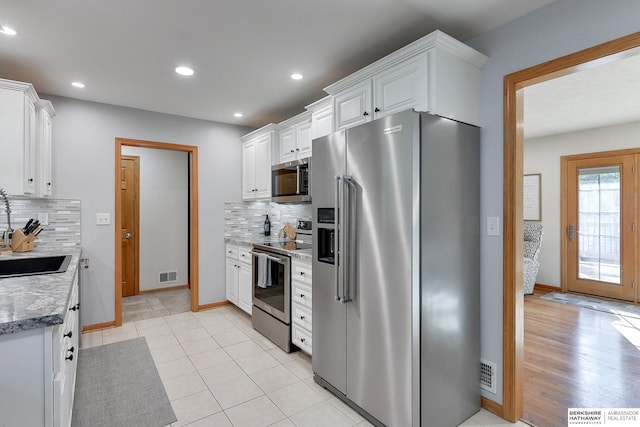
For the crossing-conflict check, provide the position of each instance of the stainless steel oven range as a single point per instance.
(271, 280)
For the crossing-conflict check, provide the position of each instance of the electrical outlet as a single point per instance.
(103, 218)
(493, 226)
(43, 217)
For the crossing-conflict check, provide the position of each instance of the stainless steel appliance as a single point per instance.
(271, 295)
(396, 272)
(291, 181)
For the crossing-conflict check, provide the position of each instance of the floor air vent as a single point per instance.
(488, 376)
(168, 276)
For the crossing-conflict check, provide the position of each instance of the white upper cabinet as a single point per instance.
(25, 122)
(18, 162)
(295, 138)
(352, 106)
(321, 117)
(436, 73)
(256, 163)
(44, 115)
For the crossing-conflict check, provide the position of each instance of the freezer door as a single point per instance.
(382, 241)
(329, 315)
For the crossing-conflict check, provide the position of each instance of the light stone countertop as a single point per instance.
(302, 254)
(31, 302)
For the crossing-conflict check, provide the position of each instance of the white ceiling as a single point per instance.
(243, 51)
(602, 96)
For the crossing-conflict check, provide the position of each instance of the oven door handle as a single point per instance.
(272, 258)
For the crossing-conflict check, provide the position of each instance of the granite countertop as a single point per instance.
(302, 254)
(31, 302)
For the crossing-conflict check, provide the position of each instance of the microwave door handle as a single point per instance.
(298, 180)
(336, 216)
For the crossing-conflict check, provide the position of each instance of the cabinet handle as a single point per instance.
(377, 110)
(297, 149)
(68, 334)
(302, 273)
(365, 114)
(49, 184)
(292, 151)
(75, 307)
(71, 350)
(301, 317)
(301, 339)
(301, 295)
(30, 179)
(69, 357)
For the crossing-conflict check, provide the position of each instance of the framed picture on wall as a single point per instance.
(531, 197)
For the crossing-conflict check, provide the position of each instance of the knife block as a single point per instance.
(22, 243)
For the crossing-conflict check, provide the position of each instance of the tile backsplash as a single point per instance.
(63, 229)
(246, 219)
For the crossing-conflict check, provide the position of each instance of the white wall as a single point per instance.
(561, 28)
(164, 215)
(83, 167)
(542, 155)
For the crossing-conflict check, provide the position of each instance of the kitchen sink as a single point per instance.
(14, 267)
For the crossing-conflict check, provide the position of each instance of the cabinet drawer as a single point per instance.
(244, 254)
(301, 338)
(301, 294)
(231, 251)
(301, 315)
(301, 272)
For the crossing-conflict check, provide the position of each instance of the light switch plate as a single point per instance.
(493, 226)
(103, 218)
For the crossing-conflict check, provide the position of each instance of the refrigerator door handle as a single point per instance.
(336, 213)
(348, 184)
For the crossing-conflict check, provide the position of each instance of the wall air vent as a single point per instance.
(488, 376)
(168, 276)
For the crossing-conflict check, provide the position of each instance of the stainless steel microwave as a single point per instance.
(291, 181)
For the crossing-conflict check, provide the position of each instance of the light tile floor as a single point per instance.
(155, 304)
(218, 371)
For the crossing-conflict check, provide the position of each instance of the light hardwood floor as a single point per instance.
(577, 358)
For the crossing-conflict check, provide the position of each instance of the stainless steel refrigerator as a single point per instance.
(396, 298)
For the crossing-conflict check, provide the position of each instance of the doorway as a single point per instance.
(192, 274)
(513, 301)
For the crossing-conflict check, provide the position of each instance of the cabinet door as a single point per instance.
(263, 167)
(232, 280)
(249, 170)
(288, 144)
(44, 154)
(245, 287)
(322, 122)
(29, 147)
(303, 139)
(353, 106)
(401, 87)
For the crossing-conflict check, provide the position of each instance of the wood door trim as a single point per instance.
(192, 152)
(513, 146)
(136, 225)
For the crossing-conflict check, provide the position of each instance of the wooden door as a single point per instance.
(600, 218)
(129, 204)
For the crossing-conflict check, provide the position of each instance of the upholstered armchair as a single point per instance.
(532, 241)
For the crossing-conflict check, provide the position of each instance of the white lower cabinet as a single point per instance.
(301, 303)
(238, 276)
(38, 372)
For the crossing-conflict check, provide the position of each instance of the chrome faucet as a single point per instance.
(6, 235)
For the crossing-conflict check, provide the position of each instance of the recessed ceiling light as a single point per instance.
(184, 71)
(238, 115)
(79, 85)
(297, 76)
(7, 31)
